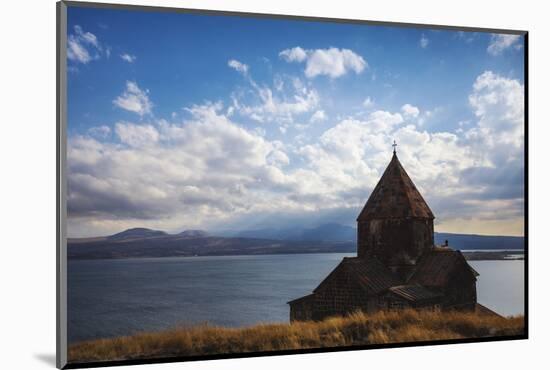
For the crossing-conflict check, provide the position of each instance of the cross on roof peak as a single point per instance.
(394, 146)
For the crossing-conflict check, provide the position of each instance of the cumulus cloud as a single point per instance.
(472, 179)
(136, 135)
(128, 57)
(332, 62)
(288, 97)
(238, 66)
(273, 108)
(350, 157)
(410, 110)
(498, 103)
(277, 158)
(501, 42)
(281, 105)
(494, 184)
(100, 132)
(134, 99)
(83, 47)
(210, 170)
(318, 116)
(296, 54)
(347, 157)
(178, 174)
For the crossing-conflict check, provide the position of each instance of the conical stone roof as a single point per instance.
(395, 196)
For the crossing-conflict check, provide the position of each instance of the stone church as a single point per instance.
(397, 264)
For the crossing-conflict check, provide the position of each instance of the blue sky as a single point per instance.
(191, 121)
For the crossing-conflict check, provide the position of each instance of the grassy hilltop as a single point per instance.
(356, 329)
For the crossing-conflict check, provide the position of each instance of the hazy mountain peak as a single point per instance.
(136, 232)
(194, 233)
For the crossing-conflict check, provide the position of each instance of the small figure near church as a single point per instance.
(397, 264)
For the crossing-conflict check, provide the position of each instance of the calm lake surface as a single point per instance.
(109, 298)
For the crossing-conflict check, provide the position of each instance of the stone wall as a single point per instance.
(302, 309)
(394, 241)
(460, 292)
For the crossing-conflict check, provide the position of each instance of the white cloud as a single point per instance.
(88, 37)
(128, 57)
(76, 51)
(136, 135)
(498, 103)
(501, 42)
(296, 54)
(207, 168)
(345, 162)
(134, 99)
(332, 62)
(469, 178)
(83, 47)
(264, 104)
(238, 66)
(273, 107)
(100, 132)
(318, 116)
(368, 102)
(277, 158)
(410, 110)
(349, 159)
(424, 42)
(494, 183)
(210, 170)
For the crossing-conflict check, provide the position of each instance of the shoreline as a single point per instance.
(469, 254)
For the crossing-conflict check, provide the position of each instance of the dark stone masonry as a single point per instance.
(397, 264)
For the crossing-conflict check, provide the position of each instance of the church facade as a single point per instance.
(397, 264)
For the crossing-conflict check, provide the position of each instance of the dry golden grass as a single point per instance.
(356, 329)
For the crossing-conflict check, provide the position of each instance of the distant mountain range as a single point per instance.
(137, 233)
(141, 242)
(325, 232)
(143, 233)
(327, 238)
(338, 232)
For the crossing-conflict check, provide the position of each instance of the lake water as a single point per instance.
(109, 298)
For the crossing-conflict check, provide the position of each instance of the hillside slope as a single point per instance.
(357, 329)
